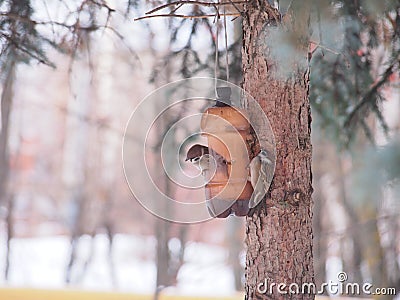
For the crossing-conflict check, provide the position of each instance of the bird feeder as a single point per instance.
(227, 130)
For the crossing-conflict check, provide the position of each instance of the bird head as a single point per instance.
(196, 152)
(264, 157)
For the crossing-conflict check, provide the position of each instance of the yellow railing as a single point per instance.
(35, 294)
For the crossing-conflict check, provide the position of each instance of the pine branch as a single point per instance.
(235, 6)
(74, 26)
(368, 97)
(30, 53)
(319, 45)
(380, 118)
(367, 131)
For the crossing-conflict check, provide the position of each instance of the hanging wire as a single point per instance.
(216, 52)
(226, 47)
(216, 65)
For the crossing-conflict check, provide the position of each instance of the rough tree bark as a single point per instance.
(279, 232)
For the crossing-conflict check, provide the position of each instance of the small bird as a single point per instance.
(199, 156)
(195, 152)
(261, 170)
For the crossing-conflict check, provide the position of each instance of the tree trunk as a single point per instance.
(353, 266)
(320, 239)
(5, 198)
(10, 234)
(279, 232)
(234, 227)
(6, 105)
(162, 255)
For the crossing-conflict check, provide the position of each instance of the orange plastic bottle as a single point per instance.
(227, 130)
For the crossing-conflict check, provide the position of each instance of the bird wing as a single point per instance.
(257, 195)
(260, 186)
(254, 166)
(268, 167)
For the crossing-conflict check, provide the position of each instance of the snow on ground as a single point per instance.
(205, 271)
(42, 263)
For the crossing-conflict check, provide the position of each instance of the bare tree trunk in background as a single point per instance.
(391, 252)
(168, 262)
(279, 233)
(235, 246)
(372, 249)
(77, 231)
(163, 231)
(353, 265)
(162, 255)
(109, 227)
(76, 161)
(10, 234)
(367, 212)
(235, 225)
(319, 227)
(5, 198)
(6, 105)
(163, 227)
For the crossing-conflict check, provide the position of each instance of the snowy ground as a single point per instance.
(41, 263)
